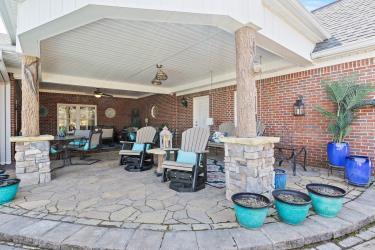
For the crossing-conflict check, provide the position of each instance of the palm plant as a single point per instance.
(348, 95)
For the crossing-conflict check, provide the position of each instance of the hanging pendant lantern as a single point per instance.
(160, 75)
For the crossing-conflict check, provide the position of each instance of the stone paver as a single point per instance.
(250, 239)
(87, 236)
(114, 239)
(328, 246)
(215, 239)
(145, 239)
(179, 241)
(283, 236)
(370, 245)
(350, 241)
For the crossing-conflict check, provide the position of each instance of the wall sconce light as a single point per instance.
(299, 106)
(184, 102)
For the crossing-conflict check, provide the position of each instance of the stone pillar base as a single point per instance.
(33, 165)
(249, 165)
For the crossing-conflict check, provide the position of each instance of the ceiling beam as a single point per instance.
(98, 83)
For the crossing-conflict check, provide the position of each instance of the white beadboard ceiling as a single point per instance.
(127, 51)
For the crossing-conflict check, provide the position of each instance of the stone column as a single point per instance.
(248, 159)
(32, 150)
(249, 165)
(33, 165)
(246, 86)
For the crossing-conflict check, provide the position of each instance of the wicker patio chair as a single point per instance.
(137, 159)
(185, 172)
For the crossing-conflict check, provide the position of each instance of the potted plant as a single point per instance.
(280, 178)
(358, 170)
(4, 176)
(8, 189)
(251, 209)
(292, 206)
(326, 199)
(348, 96)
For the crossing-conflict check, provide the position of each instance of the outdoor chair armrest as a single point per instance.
(127, 142)
(174, 150)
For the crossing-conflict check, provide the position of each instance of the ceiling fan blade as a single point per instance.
(107, 95)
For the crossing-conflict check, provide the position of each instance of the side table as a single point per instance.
(160, 155)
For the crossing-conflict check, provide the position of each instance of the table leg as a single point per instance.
(160, 164)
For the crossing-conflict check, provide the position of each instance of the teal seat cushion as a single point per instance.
(53, 150)
(186, 157)
(86, 146)
(132, 136)
(77, 143)
(140, 146)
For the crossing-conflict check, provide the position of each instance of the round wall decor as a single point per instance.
(154, 111)
(43, 111)
(110, 112)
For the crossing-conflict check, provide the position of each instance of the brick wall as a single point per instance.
(15, 110)
(123, 107)
(276, 97)
(275, 108)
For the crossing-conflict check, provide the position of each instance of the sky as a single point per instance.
(309, 4)
(314, 4)
(2, 27)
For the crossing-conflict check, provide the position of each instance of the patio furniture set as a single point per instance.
(187, 172)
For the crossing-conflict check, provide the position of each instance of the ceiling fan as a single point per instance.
(98, 94)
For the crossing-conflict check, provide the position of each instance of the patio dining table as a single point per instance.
(63, 143)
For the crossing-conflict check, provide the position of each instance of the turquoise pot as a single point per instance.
(292, 213)
(250, 217)
(323, 204)
(9, 190)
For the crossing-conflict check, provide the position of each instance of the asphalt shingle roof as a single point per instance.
(347, 21)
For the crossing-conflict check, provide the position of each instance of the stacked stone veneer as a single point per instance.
(33, 165)
(249, 166)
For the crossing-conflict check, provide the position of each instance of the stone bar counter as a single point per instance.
(33, 164)
(249, 165)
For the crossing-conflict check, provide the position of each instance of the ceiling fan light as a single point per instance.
(97, 95)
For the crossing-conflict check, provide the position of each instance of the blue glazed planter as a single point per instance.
(280, 178)
(9, 190)
(250, 217)
(337, 153)
(358, 170)
(292, 213)
(326, 205)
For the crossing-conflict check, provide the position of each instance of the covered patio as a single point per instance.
(87, 66)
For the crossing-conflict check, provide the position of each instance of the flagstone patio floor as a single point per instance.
(107, 195)
(101, 206)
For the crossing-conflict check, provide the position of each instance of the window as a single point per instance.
(76, 116)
